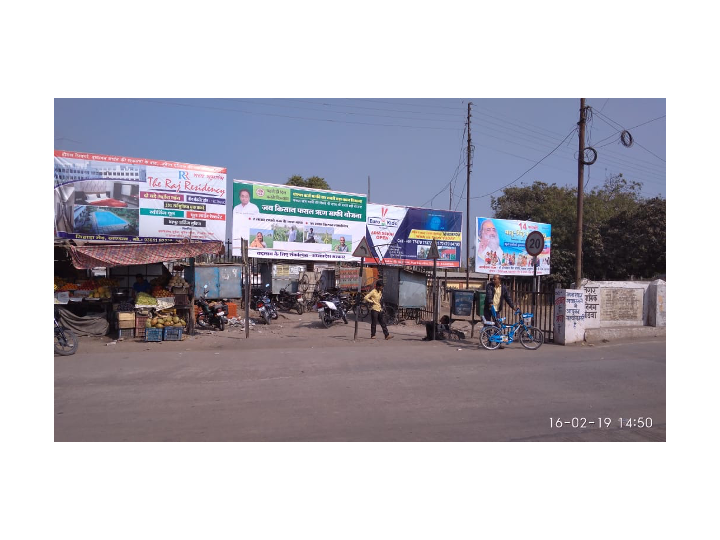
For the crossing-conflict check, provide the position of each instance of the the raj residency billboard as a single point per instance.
(500, 247)
(288, 222)
(402, 235)
(123, 199)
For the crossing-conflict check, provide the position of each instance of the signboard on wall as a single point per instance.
(123, 199)
(500, 247)
(288, 222)
(402, 235)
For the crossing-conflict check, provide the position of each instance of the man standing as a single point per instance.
(374, 297)
(141, 284)
(293, 234)
(495, 294)
(489, 243)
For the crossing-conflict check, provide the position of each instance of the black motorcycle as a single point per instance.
(287, 301)
(265, 306)
(210, 316)
(66, 342)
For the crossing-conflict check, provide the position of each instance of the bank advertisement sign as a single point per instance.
(500, 247)
(402, 235)
(123, 199)
(288, 222)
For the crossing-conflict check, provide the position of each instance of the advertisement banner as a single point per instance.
(122, 199)
(402, 235)
(288, 222)
(500, 247)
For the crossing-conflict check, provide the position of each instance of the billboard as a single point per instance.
(402, 235)
(288, 222)
(500, 247)
(123, 199)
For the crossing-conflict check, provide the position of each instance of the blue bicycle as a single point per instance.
(491, 337)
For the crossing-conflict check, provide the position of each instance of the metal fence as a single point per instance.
(521, 293)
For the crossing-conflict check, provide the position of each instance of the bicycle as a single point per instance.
(531, 337)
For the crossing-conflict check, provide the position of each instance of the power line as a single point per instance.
(404, 103)
(287, 116)
(335, 112)
(373, 108)
(530, 169)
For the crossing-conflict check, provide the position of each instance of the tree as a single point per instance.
(314, 182)
(623, 234)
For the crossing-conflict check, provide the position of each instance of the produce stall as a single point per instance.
(163, 313)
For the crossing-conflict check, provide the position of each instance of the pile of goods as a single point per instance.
(66, 287)
(88, 285)
(164, 321)
(177, 281)
(159, 292)
(101, 292)
(126, 306)
(144, 299)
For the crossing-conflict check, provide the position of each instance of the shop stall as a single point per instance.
(99, 285)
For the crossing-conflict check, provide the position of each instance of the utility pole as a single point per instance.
(467, 214)
(581, 165)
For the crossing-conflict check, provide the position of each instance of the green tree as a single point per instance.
(623, 234)
(314, 182)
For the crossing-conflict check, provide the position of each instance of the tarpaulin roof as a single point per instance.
(95, 256)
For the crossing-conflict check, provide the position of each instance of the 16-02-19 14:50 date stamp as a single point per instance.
(579, 422)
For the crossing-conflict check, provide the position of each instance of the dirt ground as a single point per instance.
(305, 331)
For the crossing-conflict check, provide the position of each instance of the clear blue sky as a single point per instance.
(410, 148)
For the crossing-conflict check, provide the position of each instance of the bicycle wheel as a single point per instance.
(531, 338)
(488, 335)
(66, 343)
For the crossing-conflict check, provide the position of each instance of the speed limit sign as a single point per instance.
(534, 243)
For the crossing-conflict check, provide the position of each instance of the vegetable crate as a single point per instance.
(126, 333)
(154, 334)
(140, 321)
(172, 333)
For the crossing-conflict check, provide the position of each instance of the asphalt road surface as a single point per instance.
(296, 381)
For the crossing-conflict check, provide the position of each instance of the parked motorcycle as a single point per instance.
(287, 301)
(330, 309)
(210, 316)
(66, 342)
(265, 306)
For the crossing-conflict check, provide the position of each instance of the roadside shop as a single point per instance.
(94, 284)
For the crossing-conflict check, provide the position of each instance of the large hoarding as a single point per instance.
(500, 247)
(402, 235)
(123, 199)
(288, 222)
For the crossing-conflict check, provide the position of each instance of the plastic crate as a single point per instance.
(154, 334)
(126, 333)
(172, 333)
(140, 321)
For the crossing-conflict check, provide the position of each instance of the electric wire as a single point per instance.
(530, 169)
(456, 116)
(336, 112)
(287, 116)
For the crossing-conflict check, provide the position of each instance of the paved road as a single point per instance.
(329, 388)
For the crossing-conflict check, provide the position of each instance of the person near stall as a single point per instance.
(141, 285)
